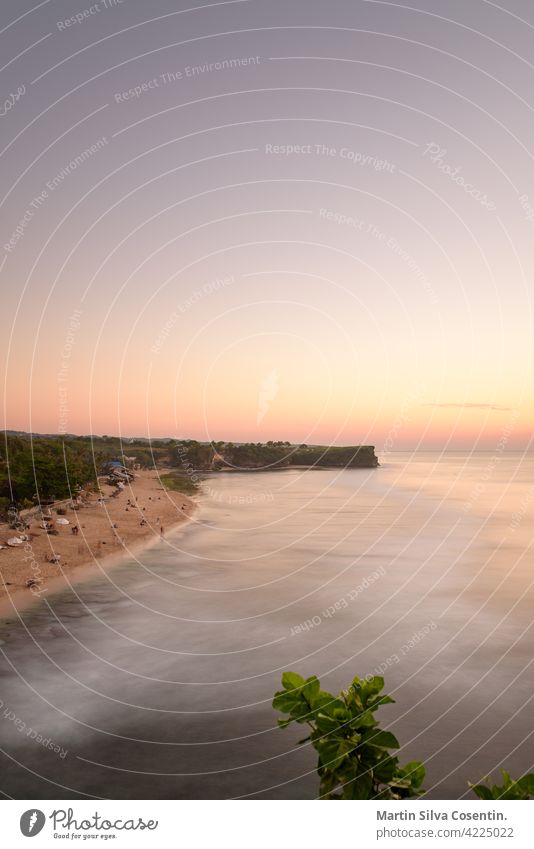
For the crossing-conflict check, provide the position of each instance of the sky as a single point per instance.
(287, 220)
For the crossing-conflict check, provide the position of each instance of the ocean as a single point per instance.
(155, 678)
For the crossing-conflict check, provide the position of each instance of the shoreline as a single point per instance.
(137, 514)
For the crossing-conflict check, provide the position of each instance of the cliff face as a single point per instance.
(346, 457)
(258, 456)
(268, 457)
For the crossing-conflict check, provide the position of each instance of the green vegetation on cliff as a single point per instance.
(345, 457)
(258, 456)
(35, 467)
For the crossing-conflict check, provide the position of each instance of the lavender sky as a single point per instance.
(269, 220)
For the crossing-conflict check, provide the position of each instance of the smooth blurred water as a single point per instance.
(157, 677)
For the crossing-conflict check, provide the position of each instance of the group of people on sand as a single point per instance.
(75, 530)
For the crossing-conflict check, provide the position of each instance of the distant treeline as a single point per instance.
(35, 468)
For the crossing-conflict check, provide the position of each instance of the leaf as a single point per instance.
(329, 753)
(332, 705)
(507, 781)
(327, 785)
(292, 681)
(398, 781)
(526, 783)
(415, 771)
(377, 701)
(325, 723)
(482, 791)
(284, 701)
(346, 747)
(300, 711)
(311, 689)
(381, 739)
(364, 720)
(359, 788)
(368, 687)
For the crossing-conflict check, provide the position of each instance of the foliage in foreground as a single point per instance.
(354, 753)
(521, 788)
(354, 758)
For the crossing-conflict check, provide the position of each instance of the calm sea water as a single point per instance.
(155, 680)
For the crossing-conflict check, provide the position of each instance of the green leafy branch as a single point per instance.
(355, 761)
(521, 788)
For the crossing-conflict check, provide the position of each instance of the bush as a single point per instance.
(179, 483)
(354, 753)
(522, 788)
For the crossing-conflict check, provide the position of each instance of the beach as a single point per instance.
(109, 529)
(156, 677)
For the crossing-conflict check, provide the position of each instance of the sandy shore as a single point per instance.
(108, 530)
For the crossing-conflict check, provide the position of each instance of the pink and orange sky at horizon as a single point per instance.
(328, 244)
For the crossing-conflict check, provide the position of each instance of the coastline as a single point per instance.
(109, 532)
